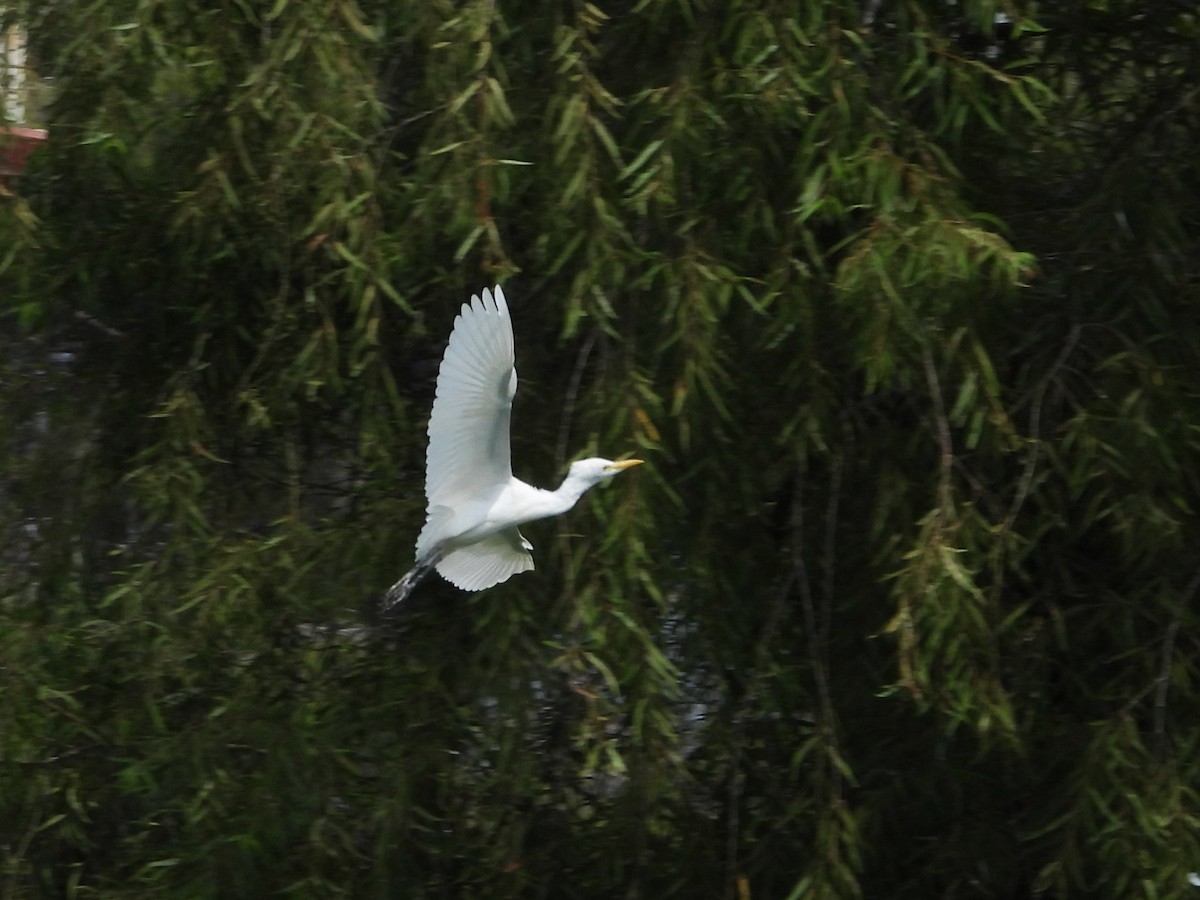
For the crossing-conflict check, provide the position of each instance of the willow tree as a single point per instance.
(895, 300)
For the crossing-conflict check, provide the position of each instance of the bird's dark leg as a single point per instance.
(401, 589)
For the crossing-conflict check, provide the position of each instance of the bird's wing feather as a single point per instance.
(468, 452)
(438, 523)
(488, 562)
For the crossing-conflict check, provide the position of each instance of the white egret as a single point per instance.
(475, 505)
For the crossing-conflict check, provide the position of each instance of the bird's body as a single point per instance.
(475, 505)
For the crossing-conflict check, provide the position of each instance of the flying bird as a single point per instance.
(475, 506)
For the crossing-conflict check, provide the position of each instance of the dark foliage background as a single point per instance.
(897, 299)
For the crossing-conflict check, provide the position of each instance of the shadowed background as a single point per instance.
(898, 302)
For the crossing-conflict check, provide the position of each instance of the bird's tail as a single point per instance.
(397, 593)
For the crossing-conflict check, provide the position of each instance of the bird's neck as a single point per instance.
(569, 492)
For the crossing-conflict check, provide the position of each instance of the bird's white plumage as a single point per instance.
(474, 502)
(485, 563)
(468, 430)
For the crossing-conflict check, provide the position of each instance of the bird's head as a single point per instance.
(595, 470)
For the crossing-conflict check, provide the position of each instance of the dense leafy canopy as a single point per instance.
(898, 300)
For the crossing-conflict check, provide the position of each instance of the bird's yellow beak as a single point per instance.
(625, 464)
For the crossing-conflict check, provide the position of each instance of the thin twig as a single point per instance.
(750, 697)
(1164, 681)
(1164, 667)
(564, 429)
(830, 549)
(97, 324)
(1035, 425)
(945, 445)
(816, 649)
(1035, 439)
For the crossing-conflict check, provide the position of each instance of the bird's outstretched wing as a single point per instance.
(468, 454)
(488, 562)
